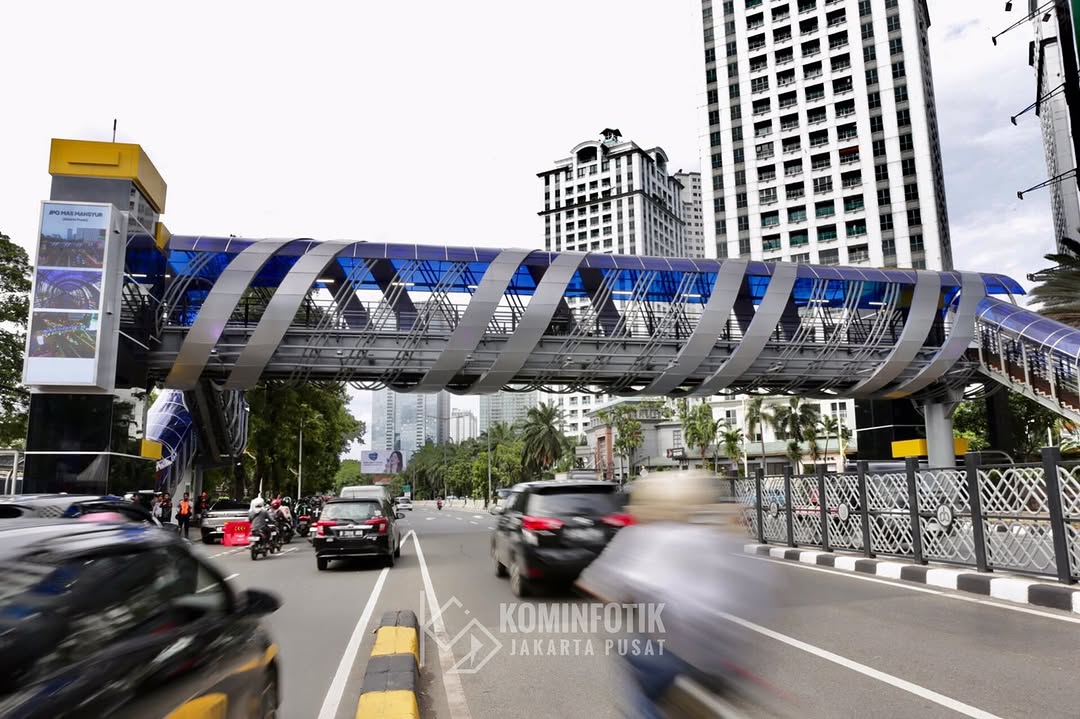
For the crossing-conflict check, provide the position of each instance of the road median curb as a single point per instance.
(392, 678)
(1011, 587)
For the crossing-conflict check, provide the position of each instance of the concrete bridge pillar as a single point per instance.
(940, 450)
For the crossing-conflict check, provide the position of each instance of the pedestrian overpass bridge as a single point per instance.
(226, 313)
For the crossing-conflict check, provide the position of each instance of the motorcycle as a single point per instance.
(285, 529)
(439, 504)
(262, 544)
(303, 524)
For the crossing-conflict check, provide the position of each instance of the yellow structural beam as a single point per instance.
(917, 447)
(109, 160)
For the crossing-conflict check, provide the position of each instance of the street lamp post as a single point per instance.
(487, 499)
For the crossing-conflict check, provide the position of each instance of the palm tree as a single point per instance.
(810, 434)
(542, 437)
(1059, 290)
(830, 426)
(843, 435)
(731, 440)
(699, 429)
(794, 454)
(759, 416)
(796, 418)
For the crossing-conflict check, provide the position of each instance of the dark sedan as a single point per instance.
(121, 620)
(72, 506)
(352, 528)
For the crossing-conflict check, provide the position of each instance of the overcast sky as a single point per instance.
(427, 121)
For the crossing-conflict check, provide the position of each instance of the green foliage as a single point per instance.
(759, 416)
(731, 443)
(461, 469)
(1059, 292)
(14, 307)
(277, 412)
(1028, 420)
(698, 427)
(543, 440)
(628, 434)
(798, 420)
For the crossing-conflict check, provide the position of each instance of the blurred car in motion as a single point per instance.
(220, 512)
(404, 503)
(355, 528)
(549, 531)
(102, 618)
(72, 506)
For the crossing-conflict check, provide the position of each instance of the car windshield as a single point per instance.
(228, 506)
(356, 511)
(579, 500)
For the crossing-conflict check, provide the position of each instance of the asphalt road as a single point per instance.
(838, 645)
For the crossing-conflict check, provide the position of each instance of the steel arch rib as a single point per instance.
(474, 321)
(280, 312)
(972, 291)
(534, 323)
(757, 334)
(920, 320)
(717, 312)
(219, 305)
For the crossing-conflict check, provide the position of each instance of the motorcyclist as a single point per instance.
(680, 554)
(260, 519)
(280, 513)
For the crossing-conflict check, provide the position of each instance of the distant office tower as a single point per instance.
(1054, 57)
(463, 425)
(506, 408)
(822, 142)
(690, 196)
(409, 421)
(614, 197)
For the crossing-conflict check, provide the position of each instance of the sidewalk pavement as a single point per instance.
(1011, 587)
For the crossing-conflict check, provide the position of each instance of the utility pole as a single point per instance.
(488, 498)
(300, 472)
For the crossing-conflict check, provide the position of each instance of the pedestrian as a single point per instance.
(166, 508)
(155, 506)
(183, 516)
(202, 504)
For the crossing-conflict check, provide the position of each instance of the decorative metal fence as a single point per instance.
(1021, 517)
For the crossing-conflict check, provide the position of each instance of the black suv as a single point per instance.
(360, 527)
(550, 531)
(122, 620)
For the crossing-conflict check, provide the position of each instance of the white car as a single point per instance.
(404, 503)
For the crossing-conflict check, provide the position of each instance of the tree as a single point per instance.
(544, 441)
(731, 441)
(699, 429)
(628, 435)
(793, 451)
(1059, 292)
(1029, 422)
(277, 411)
(14, 307)
(759, 416)
(810, 435)
(797, 418)
(829, 426)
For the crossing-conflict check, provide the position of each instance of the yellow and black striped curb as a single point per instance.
(392, 677)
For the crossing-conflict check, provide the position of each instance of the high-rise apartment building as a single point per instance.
(614, 197)
(822, 142)
(506, 407)
(690, 196)
(463, 425)
(1053, 54)
(409, 421)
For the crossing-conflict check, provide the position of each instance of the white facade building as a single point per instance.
(407, 422)
(506, 408)
(463, 425)
(614, 197)
(822, 138)
(690, 196)
(1052, 106)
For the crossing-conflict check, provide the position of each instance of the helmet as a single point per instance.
(676, 496)
(287, 501)
(258, 503)
(276, 503)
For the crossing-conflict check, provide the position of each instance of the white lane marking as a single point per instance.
(231, 576)
(919, 691)
(337, 686)
(478, 516)
(230, 551)
(455, 695)
(912, 588)
(429, 518)
(472, 522)
(290, 549)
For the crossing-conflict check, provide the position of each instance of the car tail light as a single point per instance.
(619, 519)
(380, 523)
(541, 524)
(322, 524)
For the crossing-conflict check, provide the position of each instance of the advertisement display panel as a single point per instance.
(73, 296)
(374, 461)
